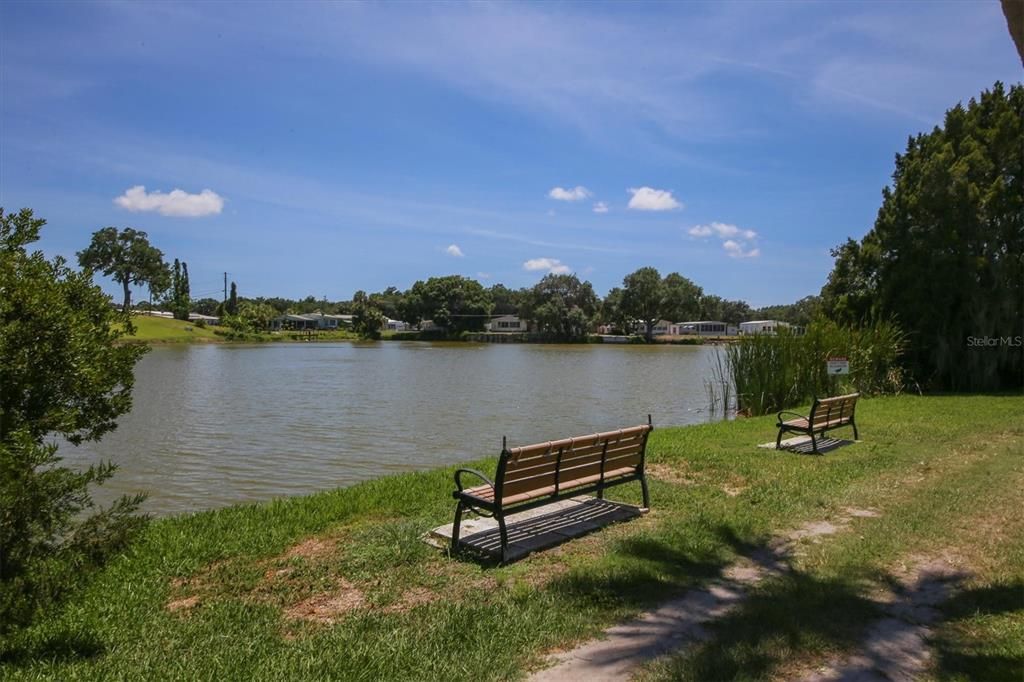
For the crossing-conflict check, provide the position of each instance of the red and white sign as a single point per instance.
(838, 366)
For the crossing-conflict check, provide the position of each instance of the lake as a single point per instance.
(219, 424)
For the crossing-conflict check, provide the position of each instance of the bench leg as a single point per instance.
(504, 536)
(600, 493)
(854, 425)
(778, 441)
(455, 527)
(814, 444)
(647, 495)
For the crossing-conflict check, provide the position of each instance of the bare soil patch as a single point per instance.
(329, 607)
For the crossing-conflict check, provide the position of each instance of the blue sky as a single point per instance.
(345, 146)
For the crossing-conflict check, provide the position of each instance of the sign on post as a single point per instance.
(838, 366)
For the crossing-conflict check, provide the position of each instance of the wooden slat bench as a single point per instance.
(826, 414)
(535, 475)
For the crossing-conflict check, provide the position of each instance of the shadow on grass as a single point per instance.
(956, 658)
(60, 647)
(789, 613)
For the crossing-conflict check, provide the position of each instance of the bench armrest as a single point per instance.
(458, 477)
(799, 416)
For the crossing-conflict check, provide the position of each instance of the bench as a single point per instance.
(535, 475)
(826, 414)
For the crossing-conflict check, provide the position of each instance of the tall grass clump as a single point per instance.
(767, 373)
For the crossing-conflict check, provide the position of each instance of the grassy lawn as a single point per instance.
(338, 585)
(163, 330)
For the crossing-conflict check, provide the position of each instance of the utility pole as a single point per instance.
(225, 288)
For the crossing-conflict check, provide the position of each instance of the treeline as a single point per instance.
(560, 307)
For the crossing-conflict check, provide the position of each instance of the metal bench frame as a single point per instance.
(499, 511)
(842, 414)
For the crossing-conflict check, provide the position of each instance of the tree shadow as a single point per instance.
(59, 647)
(740, 631)
(957, 659)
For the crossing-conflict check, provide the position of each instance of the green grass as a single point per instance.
(938, 469)
(164, 330)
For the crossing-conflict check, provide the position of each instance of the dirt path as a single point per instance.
(680, 622)
(895, 648)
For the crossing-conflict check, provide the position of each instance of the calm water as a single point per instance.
(214, 425)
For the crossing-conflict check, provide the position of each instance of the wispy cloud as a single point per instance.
(577, 193)
(723, 230)
(650, 199)
(601, 207)
(454, 250)
(551, 265)
(737, 242)
(737, 249)
(177, 203)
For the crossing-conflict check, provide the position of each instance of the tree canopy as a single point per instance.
(128, 257)
(455, 302)
(561, 306)
(648, 298)
(945, 257)
(63, 373)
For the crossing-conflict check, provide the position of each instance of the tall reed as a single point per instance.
(768, 373)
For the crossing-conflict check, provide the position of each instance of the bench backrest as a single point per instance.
(553, 464)
(839, 408)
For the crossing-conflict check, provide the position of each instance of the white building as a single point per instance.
(704, 328)
(762, 326)
(396, 325)
(506, 323)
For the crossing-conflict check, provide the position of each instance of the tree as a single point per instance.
(255, 316)
(231, 307)
(680, 298)
(455, 302)
(641, 298)
(127, 256)
(367, 320)
(506, 301)
(612, 313)
(801, 313)
(648, 298)
(63, 373)
(945, 257)
(181, 301)
(561, 306)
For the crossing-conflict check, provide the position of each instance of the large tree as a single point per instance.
(561, 306)
(455, 302)
(128, 257)
(62, 373)
(945, 257)
(648, 298)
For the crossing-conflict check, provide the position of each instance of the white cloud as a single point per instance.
(722, 230)
(600, 207)
(454, 250)
(577, 193)
(552, 265)
(483, 275)
(735, 240)
(650, 199)
(737, 249)
(178, 203)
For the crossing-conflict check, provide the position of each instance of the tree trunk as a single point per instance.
(649, 332)
(127, 295)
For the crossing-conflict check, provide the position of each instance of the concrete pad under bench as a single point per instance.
(802, 444)
(536, 529)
